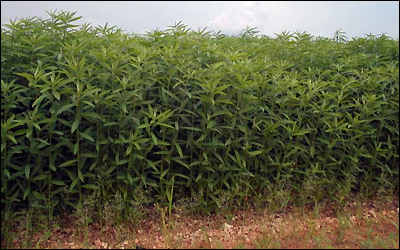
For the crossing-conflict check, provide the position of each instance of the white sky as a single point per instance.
(318, 18)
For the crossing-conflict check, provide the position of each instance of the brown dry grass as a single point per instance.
(358, 225)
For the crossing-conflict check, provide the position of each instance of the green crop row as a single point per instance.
(96, 111)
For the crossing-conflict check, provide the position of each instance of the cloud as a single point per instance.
(241, 14)
(250, 4)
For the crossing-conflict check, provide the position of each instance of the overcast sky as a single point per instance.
(317, 18)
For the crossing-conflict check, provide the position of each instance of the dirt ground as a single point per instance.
(358, 225)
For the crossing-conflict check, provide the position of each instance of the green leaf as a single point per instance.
(201, 138)
(199, 177)
(205, 156)
(27, 171)
(182, 163)
(130, 178)
(75, 125)
(142, 140)
(40, 177)
(195, 163)
(143, 126)
(121, 177)
(164, 173)
(367, 155)
(90, 155)
(110, 124)
(76, 146)
(89, 103)
(14, 197)
(208, 168)
(86, 136)
(90, 186)
(191, 128)
(179, 149)
(92, 115)
(303, 132)
(323, 140)
(37, 127)
(139, 156)
(124, 161)
(210, 185)
(153, 136)
(152, 165)
(165, 125)
(218, 156)
(226, 183)
(256, 152)
(26, 193)
(56, 94)
(67, 163)
(7, 173)
(332, 143)
(80, 175)
(111, 169)
(52, 167)
(238, 158)
(181, 175)
(73, 184)
(353, 158)
(64, 108)
(94, 164)
(293, 151)
(221, 112)
(312, 151)
(128, 150)
(136, 145)
(29, 132)
(39, 100)
(57, 182)
(11, 137)
(210, 124)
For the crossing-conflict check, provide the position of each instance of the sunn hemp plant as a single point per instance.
(95, 111)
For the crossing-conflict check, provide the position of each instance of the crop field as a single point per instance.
(188, 139)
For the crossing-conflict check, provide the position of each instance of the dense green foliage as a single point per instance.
(96, 111)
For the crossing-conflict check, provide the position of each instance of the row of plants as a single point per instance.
(217, 118)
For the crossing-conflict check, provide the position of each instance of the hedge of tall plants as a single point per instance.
(96, 111)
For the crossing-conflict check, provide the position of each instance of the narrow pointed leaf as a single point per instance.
(179, 149)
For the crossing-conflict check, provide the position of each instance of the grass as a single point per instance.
(262, 229)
